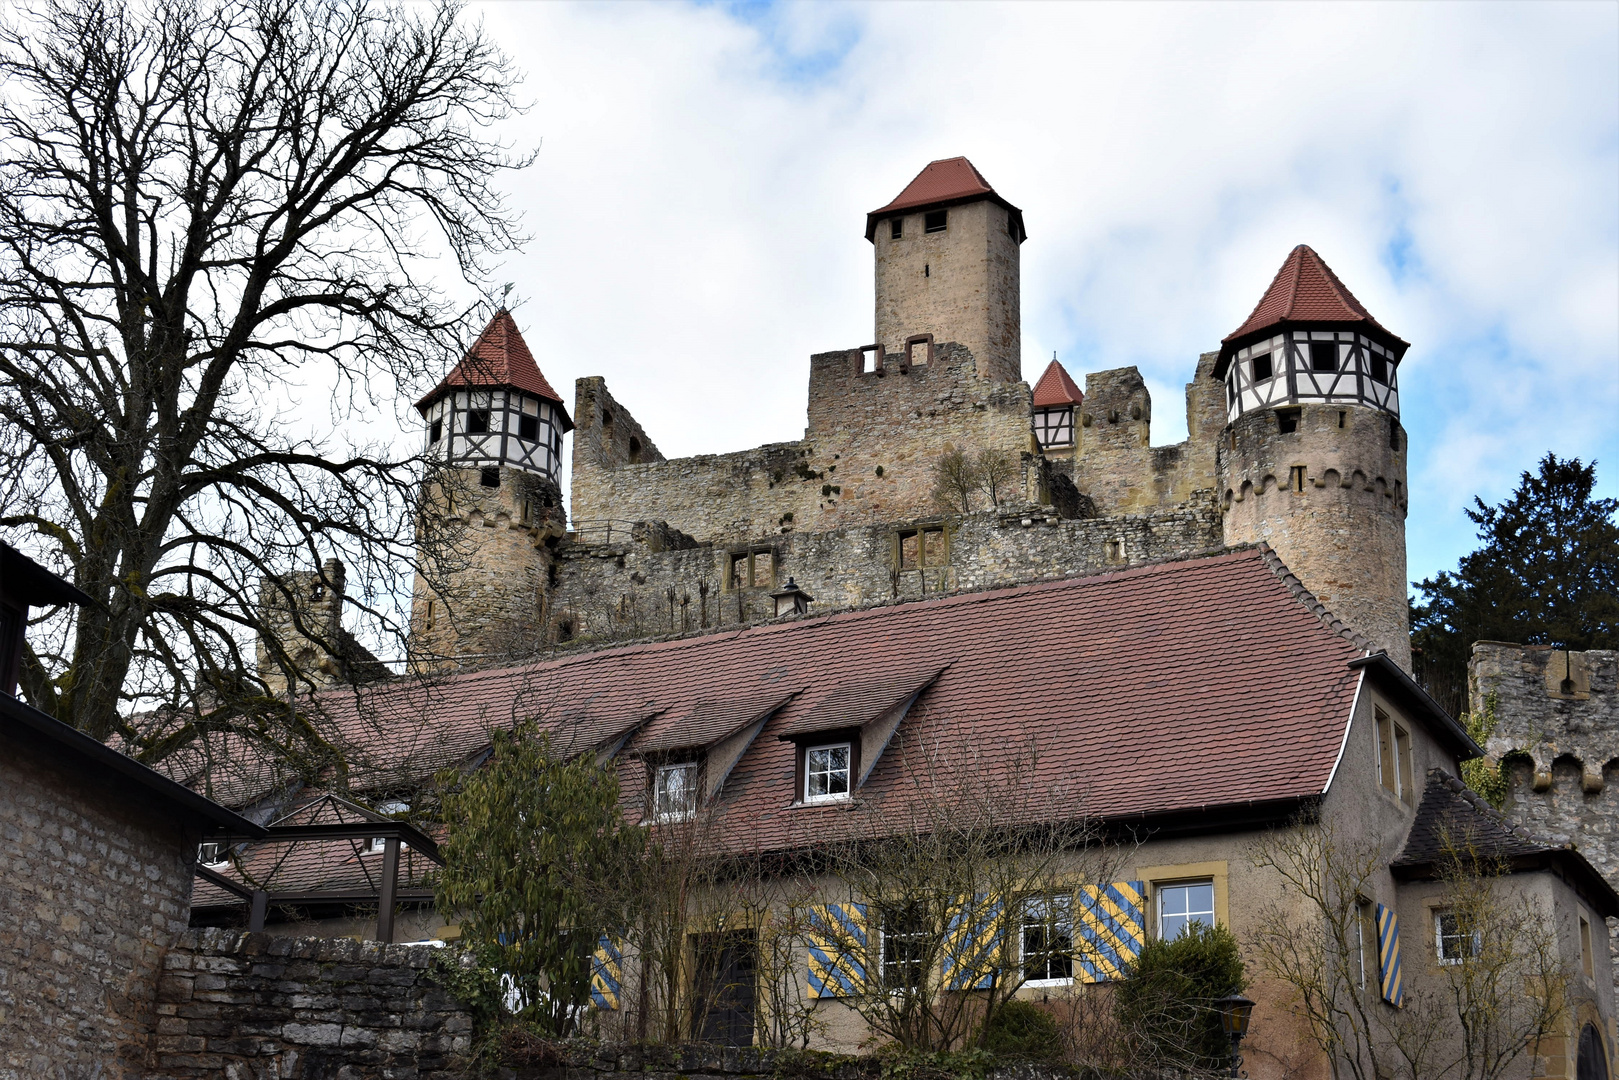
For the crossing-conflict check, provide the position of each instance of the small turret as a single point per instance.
(1312, 459)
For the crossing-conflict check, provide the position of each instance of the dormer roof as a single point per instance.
(499, 358)
(1305, 292)
(947, 182)
(1056, 389)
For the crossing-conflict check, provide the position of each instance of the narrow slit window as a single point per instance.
(1402, 749)
(935, 221)
(1586, 958)
(1295, 480)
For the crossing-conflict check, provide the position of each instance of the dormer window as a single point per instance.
(934, 221)
(674, 791)
(1054, 427)
(827, 772)
(896, 228)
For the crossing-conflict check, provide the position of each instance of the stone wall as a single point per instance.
(97, 883)
(642, 1061)
(303, 612)
(252, 1005)
(613, 589)
(868, 454)
(1330, 498)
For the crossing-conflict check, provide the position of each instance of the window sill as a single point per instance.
(1039, 983)
(821, 804)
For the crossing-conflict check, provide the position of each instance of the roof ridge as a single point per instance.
(1308, 599)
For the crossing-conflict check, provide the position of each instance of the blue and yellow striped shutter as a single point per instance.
(1110, 923)
(1388, 956)
(972, 940)
(606, 973)
(837, 948)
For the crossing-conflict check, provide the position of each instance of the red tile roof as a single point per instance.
(942, 183)
(1304, 291)
(499, 357)
(1056, 388)
(1170, 688)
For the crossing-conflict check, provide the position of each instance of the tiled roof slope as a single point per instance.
(1306, 290)
(1158, 689)
(499, 357)
(1056, 388)
(949, 180)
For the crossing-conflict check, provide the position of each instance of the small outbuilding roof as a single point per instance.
(947, 182)
(1055, 388)
(499, 358)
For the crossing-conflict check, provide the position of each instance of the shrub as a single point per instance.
(1166, 1004)
(1021, 1029)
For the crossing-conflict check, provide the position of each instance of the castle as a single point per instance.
(1294, 440)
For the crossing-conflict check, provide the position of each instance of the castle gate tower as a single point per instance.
(1312, 459)
(947, 269)
(494, 429)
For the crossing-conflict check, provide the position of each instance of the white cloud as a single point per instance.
(698, 206)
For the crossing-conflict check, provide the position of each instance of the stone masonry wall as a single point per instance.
(898, 419)
(255, 1006)
(622, 589)
(642, 1061)
(97, 884)
(1561, 742)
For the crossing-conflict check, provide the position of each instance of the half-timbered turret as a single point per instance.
(494, 428)
(1312, 459)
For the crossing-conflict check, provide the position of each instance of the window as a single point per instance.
(1295, 479)
(635, 450)
(896, 228)
(1054, 427)
(1454, 938)
(528, 428)
(1047, 941)
(1179, 906)
(751, 570)
(934, 221)
(1287, 420)
(826, 772)
(377, 844)
(918, 350)
(1323, 356)
(489, 476)
(219, 855)
(478, 422)
(1394, 757)
(1365, 943)
(1113, 550)
(1394, 434)
(674, 791)
(1262, 368)
(428, 615)
(1380, 368)
(922, 548)
(1586, 964)
(905, 948)
(435, 431)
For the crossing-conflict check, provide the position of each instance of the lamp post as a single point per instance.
(1235, 1012)
(791, 600)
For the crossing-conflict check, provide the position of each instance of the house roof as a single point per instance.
(1160, 690)
(1454, 821)
(499, 358)
(23, 581)
(1056, 388)
(946, 182)
(1306, 292)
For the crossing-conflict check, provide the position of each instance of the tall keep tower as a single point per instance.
(1312, 459)
(947, 269)
(494, 427)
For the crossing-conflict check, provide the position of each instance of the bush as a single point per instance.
(1166, 1005)
(1021, 1029)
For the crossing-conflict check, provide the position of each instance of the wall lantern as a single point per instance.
(1235, 1012)
(791, 600)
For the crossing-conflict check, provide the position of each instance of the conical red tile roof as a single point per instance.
(1306, 290)
(499, 357)
(941, 183)
(1056, 388)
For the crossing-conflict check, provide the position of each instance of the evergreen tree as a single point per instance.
(1547, 573)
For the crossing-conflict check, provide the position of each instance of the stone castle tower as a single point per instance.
(494, 431)
(947, 269)
(1312, 461)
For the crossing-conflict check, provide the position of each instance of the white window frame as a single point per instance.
(1439, 936)
(378, 844)
(221, 850)
(658, 790)
(1162, 889)
(883, 939)
(1063, 920)
(848, 772)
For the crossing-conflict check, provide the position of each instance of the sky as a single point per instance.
(697, 207)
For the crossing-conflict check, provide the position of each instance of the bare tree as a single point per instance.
(202, 201)
(996, 472)
(955, 481)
